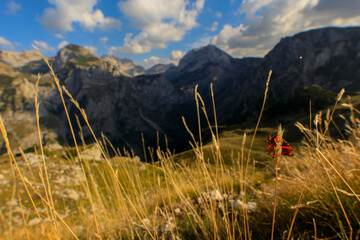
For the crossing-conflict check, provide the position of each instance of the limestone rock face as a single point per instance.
(125, 66)
(326, 57)
(18, 59)
(118, 106)
(70, 52)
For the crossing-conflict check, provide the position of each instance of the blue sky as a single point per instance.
(162, 31)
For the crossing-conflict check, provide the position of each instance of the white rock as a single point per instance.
(142, 167)
(34, 221)
(177, 211)
(216, 195)
(68, 194)
(146, 222)
(249, 206)
(12, 203)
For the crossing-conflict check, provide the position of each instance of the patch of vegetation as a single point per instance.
(86, 61)
(74, 48)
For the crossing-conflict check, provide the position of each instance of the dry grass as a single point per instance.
(316, 192)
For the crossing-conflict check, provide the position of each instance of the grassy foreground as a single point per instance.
(226, 189)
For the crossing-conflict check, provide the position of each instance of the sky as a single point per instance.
(162, 31)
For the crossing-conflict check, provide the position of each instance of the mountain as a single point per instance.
(18, 59)
(76, 55)
(126, 66)
(123, 105)
(326, 57)
(159, 68)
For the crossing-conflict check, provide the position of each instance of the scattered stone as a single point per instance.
(249, 206)
(32, 159)
(142, 167)
(92, 153)
(68, 194)
(225, 196)
(78, 230)
(12, 203)
(216, 195)
(238, 204)
(146, 222)
(169, 226)
(34, 221)
(177, 211)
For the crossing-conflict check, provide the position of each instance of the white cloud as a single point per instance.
(269, 20)
(43, 46)
(104, 40)
(67, 12)
(218, 14)
(214, 27)
(160, 21)
(92, 49)
(6, 43)
(59, 35)
(62, 44)
(12, 7)
(175, 57)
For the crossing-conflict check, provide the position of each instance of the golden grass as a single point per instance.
(315, 194)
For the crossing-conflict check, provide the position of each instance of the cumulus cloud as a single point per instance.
(67, 12)
(43, 46)
(12, 7)
(59, 35)
(269, 20)
(214, 27)
(5, 43)
(218, 14)
(104, 40)
(175, 57)
(160, 22)
(62, 44)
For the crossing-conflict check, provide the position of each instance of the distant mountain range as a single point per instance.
(123, 100)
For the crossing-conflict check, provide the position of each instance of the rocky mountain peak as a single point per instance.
(73, 52)
(18, 59)
(197, 57)
(124, 65)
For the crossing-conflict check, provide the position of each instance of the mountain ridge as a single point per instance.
(123, 107)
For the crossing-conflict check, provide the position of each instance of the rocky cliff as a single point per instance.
(125, 66)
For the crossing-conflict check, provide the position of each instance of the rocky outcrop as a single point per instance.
(18, 59)
(125, 66)
(76, 54)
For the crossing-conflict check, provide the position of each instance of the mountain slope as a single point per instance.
(123, 107)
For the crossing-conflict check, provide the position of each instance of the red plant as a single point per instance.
(286, 148)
